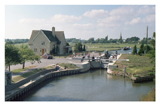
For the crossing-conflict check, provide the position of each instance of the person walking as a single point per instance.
(82, 58)
(88, 55)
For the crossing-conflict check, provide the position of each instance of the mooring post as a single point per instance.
(124, 71)
(100, 63)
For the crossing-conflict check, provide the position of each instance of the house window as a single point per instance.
(35, 49)
(43, 43)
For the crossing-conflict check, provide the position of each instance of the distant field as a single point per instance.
(103, 46)
(99, 46)
(20, 44)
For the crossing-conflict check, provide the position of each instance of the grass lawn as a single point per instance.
(20, 70)
(25, 75)
(138, 65)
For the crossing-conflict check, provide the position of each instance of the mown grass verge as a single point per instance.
(21, 70)
(137, 65)
(27, 74)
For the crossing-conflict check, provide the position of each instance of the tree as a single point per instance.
(91, 40)
(106, 38)
(152, 42)
(141, 50)
(12, 55)
(27, 54)
(67, 44)
(9, 42)
(152, 52)
(84, 48)
(132, 39)
(134, 50)
(78, 47)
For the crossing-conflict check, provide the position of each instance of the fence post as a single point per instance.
(124, 71)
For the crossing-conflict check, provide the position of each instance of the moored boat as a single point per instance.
(126, 48)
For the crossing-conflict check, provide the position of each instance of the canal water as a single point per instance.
(94, 85)
(123, 51)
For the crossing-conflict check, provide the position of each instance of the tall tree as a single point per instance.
(11, 55)
(27, 54)
(152, 42)
(152, 52)
(147, 39)
(141, 50)
(106, 38)
(91, 40)
(84, 48)
(78, 47)
(134, 50)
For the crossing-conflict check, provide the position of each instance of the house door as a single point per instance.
(42, 51)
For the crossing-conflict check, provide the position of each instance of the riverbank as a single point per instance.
(150, 96)
(137, 67)
(31, 79)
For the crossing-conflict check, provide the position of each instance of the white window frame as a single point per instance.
(43, 43)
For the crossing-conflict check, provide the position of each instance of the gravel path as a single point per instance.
(44, 63)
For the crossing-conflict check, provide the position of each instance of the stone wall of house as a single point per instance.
(38, 46)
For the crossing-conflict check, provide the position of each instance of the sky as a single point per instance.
(80, 21)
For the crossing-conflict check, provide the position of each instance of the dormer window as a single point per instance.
(43, 43)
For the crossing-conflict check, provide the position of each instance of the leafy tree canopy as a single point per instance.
(12, 55)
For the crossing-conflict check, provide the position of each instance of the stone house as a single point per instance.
(44, 41)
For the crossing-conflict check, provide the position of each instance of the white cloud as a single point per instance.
(149, 18)
(123, 11)
(96, 13)
(64, 18)
(146, 10)
(134, 21)
(59, 18)
(29, 20)
(83, 26)
(110, 21)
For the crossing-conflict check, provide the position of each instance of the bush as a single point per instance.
(70, 51)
